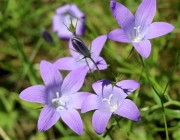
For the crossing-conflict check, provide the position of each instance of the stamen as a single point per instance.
(137, 31)
(108, 100)
(59, 103)
(112, 104)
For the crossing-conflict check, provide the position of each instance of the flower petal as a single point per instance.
(63, 9)
(50, 75)
(123, 16)
(127, 86)
(35, 94)
(66, 63)
(100, 120)
(118, 35)
(56, 24)
(74, 81)
(73, 120)
(103, 88)
(80, 28)
(97, 44)
(101, 63)
(75, 11)
(78, 98)
(128, 110)
(143, 48)
(90, 103)
(145, 13)
(157, 29)
(48, 117)
(63, 33)
(119, 94)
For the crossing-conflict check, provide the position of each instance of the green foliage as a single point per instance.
(22, 48)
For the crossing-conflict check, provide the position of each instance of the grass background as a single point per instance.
(22, 48)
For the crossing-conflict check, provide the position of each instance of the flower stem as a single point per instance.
(108, 132)
(96, 66)
(90, 70)
(165, 122)
(160, 97)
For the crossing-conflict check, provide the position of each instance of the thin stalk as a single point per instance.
(130, 52)
(117, 120)
(160, 97)
(171, 102)
(96, 66)
(147, 75)
(176, 63)
(165, 122)
(90, 70)
(108, 133)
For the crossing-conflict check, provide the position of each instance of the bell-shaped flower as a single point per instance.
(138, 29)
(62, 19)
(60, 97)
(80, 52)
(111, 100)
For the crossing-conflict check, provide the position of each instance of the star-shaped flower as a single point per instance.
(60, 97)
(77, 60)
(138, 29)
(63, 18)
(111, 100)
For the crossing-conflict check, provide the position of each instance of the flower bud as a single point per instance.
(47, 37)
(80, 46)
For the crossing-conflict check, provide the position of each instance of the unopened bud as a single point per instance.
(47, 36)
(80, 46)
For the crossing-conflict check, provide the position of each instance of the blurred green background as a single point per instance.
(22, 48)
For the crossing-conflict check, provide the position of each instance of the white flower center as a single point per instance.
(68, 18)
(60, 103)
(111, 104)
(137, 36)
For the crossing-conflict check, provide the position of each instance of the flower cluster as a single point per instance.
(61, 97)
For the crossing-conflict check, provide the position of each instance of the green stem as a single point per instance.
(176, 63)
(160, 97)
(130, 52)
(170, 102)
(147, 75)
(90, 70)
(108, 132)
(165, 122)
(96, 66)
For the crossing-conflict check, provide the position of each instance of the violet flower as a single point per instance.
(63, 18)
(60, 97)
(111, 100)
(76, 61)
(138, 29)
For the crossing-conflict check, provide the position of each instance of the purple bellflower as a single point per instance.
(77, 60)
(60, 97)
(138, 29)
(111, 100)
(63, 18)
